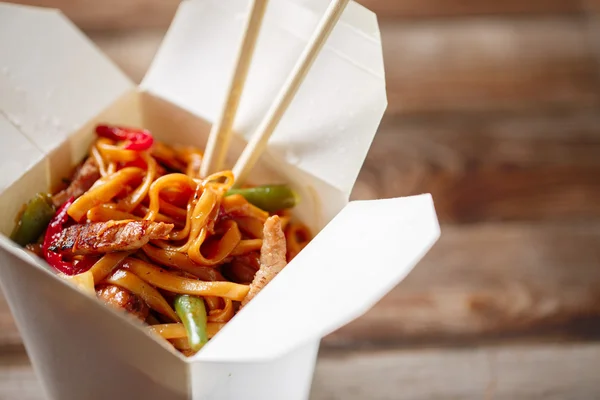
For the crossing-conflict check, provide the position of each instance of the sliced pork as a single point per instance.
(123, 299)
(272, 257)
(84, 178)
(108, 237)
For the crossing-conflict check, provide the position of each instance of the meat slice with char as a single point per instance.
(108, 237)
(123, 299)
(84, 178)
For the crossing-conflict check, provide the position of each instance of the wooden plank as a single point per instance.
(116, 14)
(489, 281)
(490, 167)
(489, 64)
(547, 372)
(17, 379)
(459, 8)
(9, 335)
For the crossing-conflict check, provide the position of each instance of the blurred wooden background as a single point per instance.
(494, 109)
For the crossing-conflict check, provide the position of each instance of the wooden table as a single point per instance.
(494, 109)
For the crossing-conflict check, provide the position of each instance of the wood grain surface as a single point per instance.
(494, 108)
(421, 9)
(528, 167)
(136, 14)
(491, 281)
(486, 64)
(508, 372)
(536, 372)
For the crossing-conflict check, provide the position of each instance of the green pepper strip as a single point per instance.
(34, 219)
(192, 312)
(269, 198)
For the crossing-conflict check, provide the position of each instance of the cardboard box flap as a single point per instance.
(52, 78)
(329, 126)
(17, 153)
(366, 250)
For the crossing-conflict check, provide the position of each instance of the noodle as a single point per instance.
(246, 246)
(222, 248)
(223, 315)
(160, 278)
(183, 235)
(104, 212)
(103, 191)
(103, 267)
(177, 331)
(135, 198)
(178, 260)
(297, 237)
(151, 296)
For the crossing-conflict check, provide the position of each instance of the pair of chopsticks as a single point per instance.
(220, 135)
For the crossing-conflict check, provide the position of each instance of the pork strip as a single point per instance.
(84, 178)
(108, 237)
(272, 257)
(123, 299)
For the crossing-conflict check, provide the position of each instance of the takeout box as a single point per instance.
(55, 86)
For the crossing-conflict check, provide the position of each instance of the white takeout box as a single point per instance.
(55, 86)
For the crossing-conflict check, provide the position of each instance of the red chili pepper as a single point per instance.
(55, 227)
(138, 139)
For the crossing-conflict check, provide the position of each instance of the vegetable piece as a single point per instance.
(54, 230)
(34, 219)
(137, 139)
(268, 197)
(192, 312)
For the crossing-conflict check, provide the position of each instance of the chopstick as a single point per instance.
(220, 134)
(259, 140)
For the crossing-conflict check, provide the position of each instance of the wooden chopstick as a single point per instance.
(220, 134)
(258, 141)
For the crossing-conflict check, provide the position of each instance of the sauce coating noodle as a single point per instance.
(210, 248)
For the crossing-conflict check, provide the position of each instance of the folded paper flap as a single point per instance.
(52, 78)
(363, 253)
(328, 128)
(17, 153)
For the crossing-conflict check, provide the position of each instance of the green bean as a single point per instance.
(192, 312)
(34, 219)
(269, 198)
